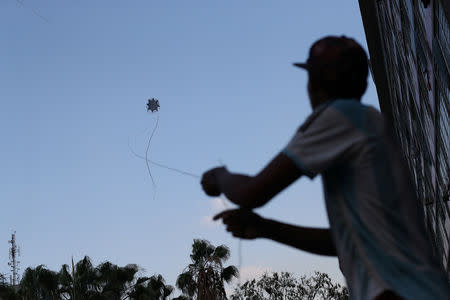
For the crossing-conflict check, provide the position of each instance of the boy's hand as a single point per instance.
(210, 182)
(242, 223)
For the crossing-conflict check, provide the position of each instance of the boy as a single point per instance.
(376, 222)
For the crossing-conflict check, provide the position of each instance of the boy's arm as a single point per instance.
(252, 191)
(248, 225)
(313, 240)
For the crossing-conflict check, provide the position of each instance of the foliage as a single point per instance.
(7, 292)
(79, 282)
(39, 283)
(204, 278)
(110, 282)
(284, 286)
(151, 288)
(83, 281)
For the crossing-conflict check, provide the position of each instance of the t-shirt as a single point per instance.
(376, 220)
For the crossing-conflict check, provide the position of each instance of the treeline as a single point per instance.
(285, 286)
(202, 279)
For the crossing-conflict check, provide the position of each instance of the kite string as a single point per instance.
(146, 153)
(34, 11)
(162, 165)
(182, 172)
(224, 203)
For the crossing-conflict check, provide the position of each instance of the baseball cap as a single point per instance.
(333, 52)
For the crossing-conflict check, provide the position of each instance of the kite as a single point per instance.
(153, 105)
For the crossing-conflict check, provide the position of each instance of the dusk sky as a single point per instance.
(75, 77)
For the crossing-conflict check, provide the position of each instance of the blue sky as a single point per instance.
(74, 80)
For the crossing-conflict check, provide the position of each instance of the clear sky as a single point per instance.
(75, 76)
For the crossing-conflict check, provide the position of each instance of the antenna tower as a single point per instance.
(14, 253)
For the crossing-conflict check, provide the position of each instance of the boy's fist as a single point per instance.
(210, 183)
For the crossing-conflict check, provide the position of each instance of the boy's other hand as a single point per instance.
(242, 223)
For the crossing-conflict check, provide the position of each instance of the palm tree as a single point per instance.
(107, 281)
(150, 288)
(114, 281)
(80, 282)
(39, 283)
(204, 278)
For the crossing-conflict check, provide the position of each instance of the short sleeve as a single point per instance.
(324, 142)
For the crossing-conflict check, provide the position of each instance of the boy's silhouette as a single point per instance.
(376, 222)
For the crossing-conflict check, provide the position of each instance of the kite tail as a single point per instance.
(146, 153)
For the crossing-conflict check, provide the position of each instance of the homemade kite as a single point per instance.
(152, 105)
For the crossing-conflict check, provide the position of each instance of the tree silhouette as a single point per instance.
(7, 292)
(284, 286)
(150, 288)
(39, 283)
(80, 281)
(204, 278)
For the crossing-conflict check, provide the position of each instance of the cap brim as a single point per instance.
(301, 65)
